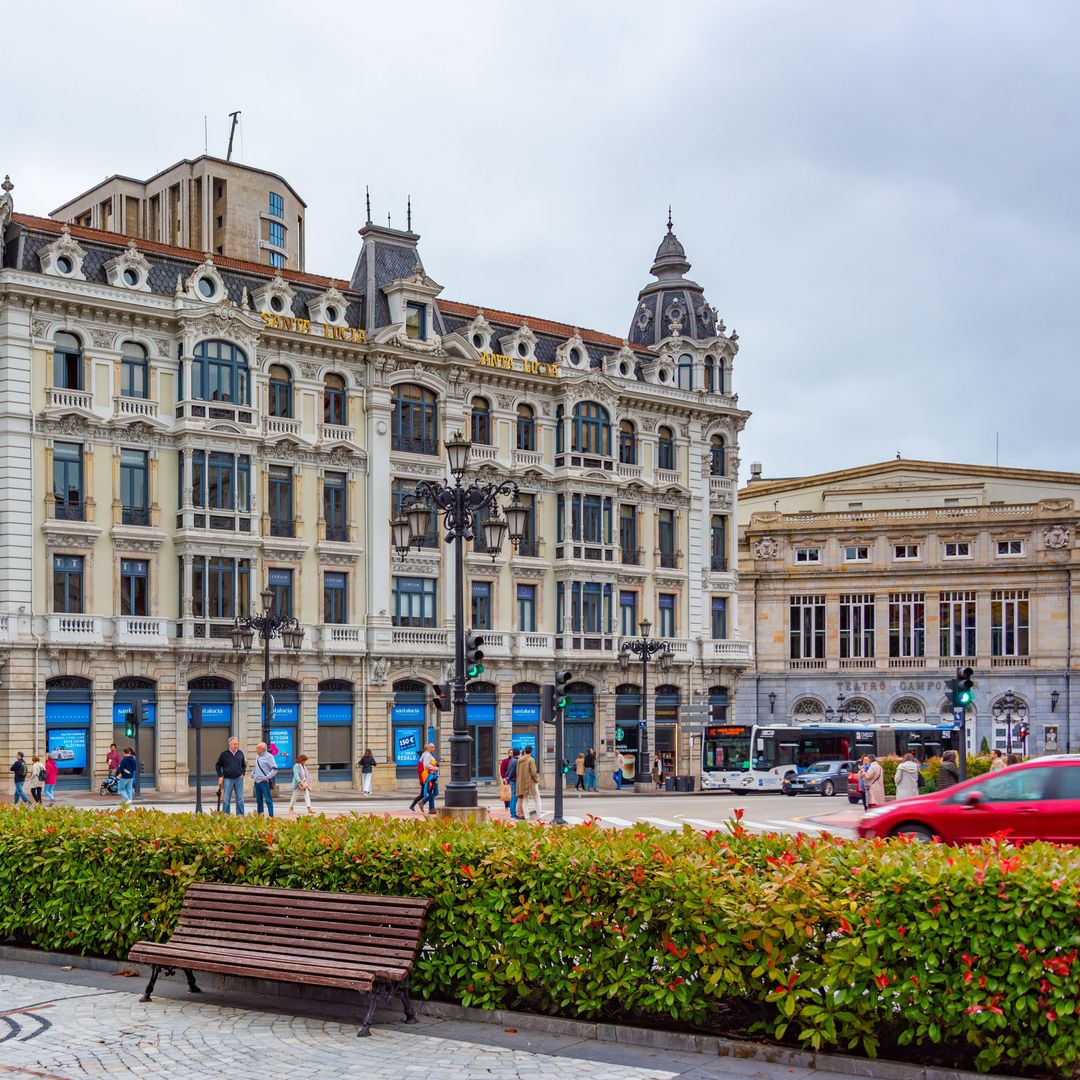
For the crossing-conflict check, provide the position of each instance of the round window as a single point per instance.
(575, 355)
(64, 265)
(331, 314)
(207, 287)
(523, 349)
(131, 277)
(276, 303)
(477, 340)
(624, 370)
(663, 376)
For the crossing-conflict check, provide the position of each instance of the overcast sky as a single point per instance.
(882, 198)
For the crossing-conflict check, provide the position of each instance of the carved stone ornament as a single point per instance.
(40, 328)
(505, 400)
(309, 371)
(225, 321)
(207, 271)
(478, 332)
(1056, 537)
(766, 548)
(102, 339)
(379, 671)
(7, 205)
(675, 316)
(329, 307)
(276, 296)
(162, 346)
(129, 270)
(63, 257)
(572, 353)
(523, 336)
(645, 316)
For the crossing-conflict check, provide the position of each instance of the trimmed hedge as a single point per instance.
(968, 955)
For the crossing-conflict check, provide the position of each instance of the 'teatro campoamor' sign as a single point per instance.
(526, 366)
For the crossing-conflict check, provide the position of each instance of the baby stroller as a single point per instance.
(109, 786)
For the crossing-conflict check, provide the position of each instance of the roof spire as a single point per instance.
(408, 213)
(669, 217)
(367, 199)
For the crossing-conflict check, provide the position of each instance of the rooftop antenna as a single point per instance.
(205, 136)
(388, 219)
(232, 131)
(669, 217)
(408, 214)
(997, 448)
(367, 199)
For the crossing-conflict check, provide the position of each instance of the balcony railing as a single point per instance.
(405, 444)
(342, 638)
(75, 629)
(907, 662)
(336, 433)
(528, 458)
(215, 410)
(61, 398)
(529, 548)
(532, 644)
(141, 630)
(718, 562)
(1010, 661)
(632, 557)
(134, 515)
(282, 527)
(337, 534)
(669, 560)
(668, 476)
(629, 472)
(733, 650)
(427, 639)
(806, 665)
(480, 452)
(133, 406)
(281, 425)
(69, 511)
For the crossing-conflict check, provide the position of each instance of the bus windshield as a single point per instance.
(726, 748)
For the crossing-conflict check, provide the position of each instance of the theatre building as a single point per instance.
(182, 430)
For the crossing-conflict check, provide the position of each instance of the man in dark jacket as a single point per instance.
(590, 769)
(18, 767)
(948, 773)
(230, 769)
(511, 779)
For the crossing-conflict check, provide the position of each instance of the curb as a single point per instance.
(624, 1034)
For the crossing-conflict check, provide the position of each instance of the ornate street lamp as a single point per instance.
(461, 507)
(643, 648)
(267, 624)
(1007, 707)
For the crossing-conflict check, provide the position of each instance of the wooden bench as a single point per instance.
(362, 943)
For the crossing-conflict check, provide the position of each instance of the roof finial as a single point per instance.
(367, 199)
(7, 185)
(669, 217)
(408, 214)
(388, 219)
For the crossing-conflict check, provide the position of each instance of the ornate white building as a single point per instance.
(179, 431)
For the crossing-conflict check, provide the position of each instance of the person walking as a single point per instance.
(112, 759)
(427, 769)
(658, 772)
(590, 769)
(875, 784)
(997, 760)
(37, 779)
(125, 776)
(864, 791)
(579, 770)
(20, 770)
(907, 777)
(617, 775)
(511, 779)
(52, 774)
(948, 773)
(367, 763)
(528, 784)
(263, 773)
(503, 766)
(230, 767)
(301, 785)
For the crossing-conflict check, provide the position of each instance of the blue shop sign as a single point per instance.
(339, 715)
(67, 746)
(520, 739)
(525, 714)
(285, 712)
(68, 714)
(283, 738)
(480, 714)
(121, 709)
(406, 745)
(218, 714)
(579, 710)
(403, 714)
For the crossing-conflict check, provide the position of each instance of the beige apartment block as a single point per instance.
(868, 587)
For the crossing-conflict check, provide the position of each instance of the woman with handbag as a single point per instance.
(301, 784)
(367, 763)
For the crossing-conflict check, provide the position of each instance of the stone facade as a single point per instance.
(178, 431)
(877, 582)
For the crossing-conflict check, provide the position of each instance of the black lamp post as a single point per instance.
(460, 506)
(847, 710)
(1009, 706)
(267, 624)
(644, 647)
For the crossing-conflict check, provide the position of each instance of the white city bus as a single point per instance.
(741, 757)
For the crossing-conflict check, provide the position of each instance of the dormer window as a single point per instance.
(416, 320)
(207, 287)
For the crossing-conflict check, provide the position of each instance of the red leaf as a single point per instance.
(467, 871)
(882, 980)
(845, 925)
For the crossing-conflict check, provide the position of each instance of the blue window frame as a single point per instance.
(416, 320)
(415, 423)
(134, 487)
(592, 429)
(220, 588)
(414, 601)
(280, 582)
(336, 507)
(528, 544)
(666, 604)
(133, 370)
(718, 542)
(717, 456)
(719, 617)
(526, 428)
(399, 491)
(277, 234)
(334, 411)
(219, 372)
(280, 393)
(335, 596)
(666, 535)
(275, 258)
(134, 587)
(560, 426)
(480, 421)
(220, 481)
(481, 605)
(627, 443)
(277, 204)
(628, 620)
(628, 540)
(68, 480)
(665, 451)
(68, 584)
(684, 375)
(587, 606)
(710, 374)
(67, 362)
(526, 608)
(279, 482)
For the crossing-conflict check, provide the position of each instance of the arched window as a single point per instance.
(592, 429)
(280, 402)
(717, 456)
(416, 420)
(526, 428)
(665, 447)
(560, 434)
(219, 372)
(133, 370)
(334, 411)
(718, 542)
(685, 374)
(710, 373)
(627, 443)
(481, 421)
(67, 362)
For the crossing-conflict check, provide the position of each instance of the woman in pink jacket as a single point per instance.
(51, 775)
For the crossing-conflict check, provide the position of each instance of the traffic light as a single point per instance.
(963, 694)
(562, 698)
(129, 726)
(1021, 731)
(440, 696)
(547, 708)
(474, 654)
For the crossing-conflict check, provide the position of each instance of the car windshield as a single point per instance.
(823, 766)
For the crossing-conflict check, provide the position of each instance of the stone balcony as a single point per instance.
(146, 631)
(138, 408)
(60, 399)
(74, 630)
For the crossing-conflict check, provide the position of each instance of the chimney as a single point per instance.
(755, 471)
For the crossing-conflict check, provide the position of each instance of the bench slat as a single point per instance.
(254, 919)
(404, 916)
(363, 981)
(275, 895)
(226, 942)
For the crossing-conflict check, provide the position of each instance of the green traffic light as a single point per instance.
(474, 670)
(562, 703)
(964, 697)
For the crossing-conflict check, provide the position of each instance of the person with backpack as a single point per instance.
(125, 776)
(18, 767)
(263, 775)
(52, 774)
(37, 779)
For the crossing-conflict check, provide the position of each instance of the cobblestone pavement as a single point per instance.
(64, 1023)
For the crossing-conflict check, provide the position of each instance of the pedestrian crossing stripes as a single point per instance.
(781, 825)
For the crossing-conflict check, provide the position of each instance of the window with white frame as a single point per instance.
(808, 555)
(907, 624)
(856, 626)
(957, 549)
(807, 628)
(1009, 622)
(905, 551)
(856, 553)
(1010, 547)
(957, 621)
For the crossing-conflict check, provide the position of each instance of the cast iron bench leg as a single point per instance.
(155, 971)
(410, 1013)
(191, 985)
(365, 1027)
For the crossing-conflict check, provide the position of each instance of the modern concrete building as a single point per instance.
(178, 431)
(864, 589)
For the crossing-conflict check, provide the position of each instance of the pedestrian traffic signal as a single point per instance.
(562, 698)
(441, 696)
(1021, 731)
(964, 694)
(474, 654)
(129, 727)
(133, 719)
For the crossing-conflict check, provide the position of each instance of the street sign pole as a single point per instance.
(136, 719)
(195, 717)
(960, 724)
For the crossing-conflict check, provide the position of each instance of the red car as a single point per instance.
(1036, 800)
